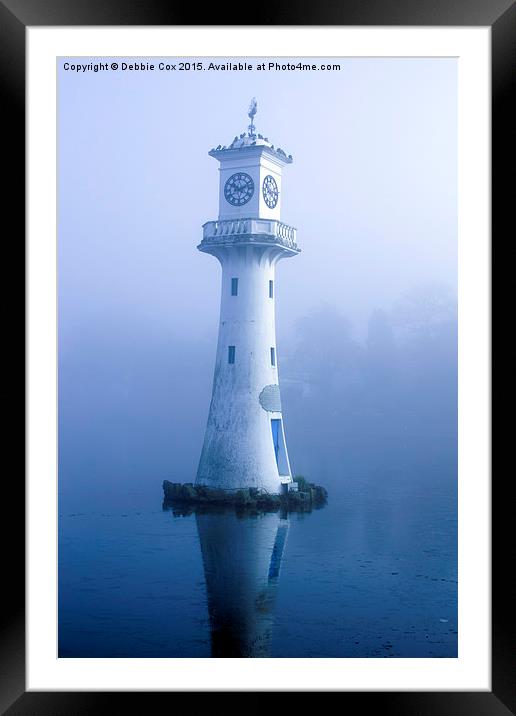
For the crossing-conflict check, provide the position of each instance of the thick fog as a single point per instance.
(366, 313)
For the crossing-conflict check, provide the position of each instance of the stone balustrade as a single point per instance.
(230, 231)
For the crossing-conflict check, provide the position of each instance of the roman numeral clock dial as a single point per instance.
(238, 189)
(270, 191)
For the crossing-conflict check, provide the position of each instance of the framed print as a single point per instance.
(252, 474)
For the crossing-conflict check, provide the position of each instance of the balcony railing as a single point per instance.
(232, 231)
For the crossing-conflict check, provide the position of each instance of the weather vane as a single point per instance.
(253, 109)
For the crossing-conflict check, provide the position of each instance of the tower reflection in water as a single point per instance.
(242, 555)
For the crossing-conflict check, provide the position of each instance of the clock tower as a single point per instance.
(244, 443)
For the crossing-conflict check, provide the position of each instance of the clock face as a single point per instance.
(238, 189)
(270, 191)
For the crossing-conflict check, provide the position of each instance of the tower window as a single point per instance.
(271, 289)
(275, 425)
(234, 287)
(273, 356)
(231, 354)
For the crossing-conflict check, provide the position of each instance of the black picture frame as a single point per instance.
(15, 17)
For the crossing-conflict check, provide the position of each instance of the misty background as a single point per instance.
(366, 314)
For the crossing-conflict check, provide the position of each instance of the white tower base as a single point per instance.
(244, 444)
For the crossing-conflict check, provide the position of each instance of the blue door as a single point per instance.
(275, 436)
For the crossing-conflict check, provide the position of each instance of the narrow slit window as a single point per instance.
(273, 356)
(234, 287)
(231, 354)
(271, 289)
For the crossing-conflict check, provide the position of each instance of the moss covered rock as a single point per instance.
(306, 497)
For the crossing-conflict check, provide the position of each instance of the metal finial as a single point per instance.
(253, 109)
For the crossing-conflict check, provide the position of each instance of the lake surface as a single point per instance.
(372, 574)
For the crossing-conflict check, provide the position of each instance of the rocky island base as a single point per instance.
(306, 497)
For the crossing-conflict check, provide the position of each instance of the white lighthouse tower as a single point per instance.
(244, 444)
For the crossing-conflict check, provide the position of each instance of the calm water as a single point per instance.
(372, 574)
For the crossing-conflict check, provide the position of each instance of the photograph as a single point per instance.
(242, 473)
(257, 457)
